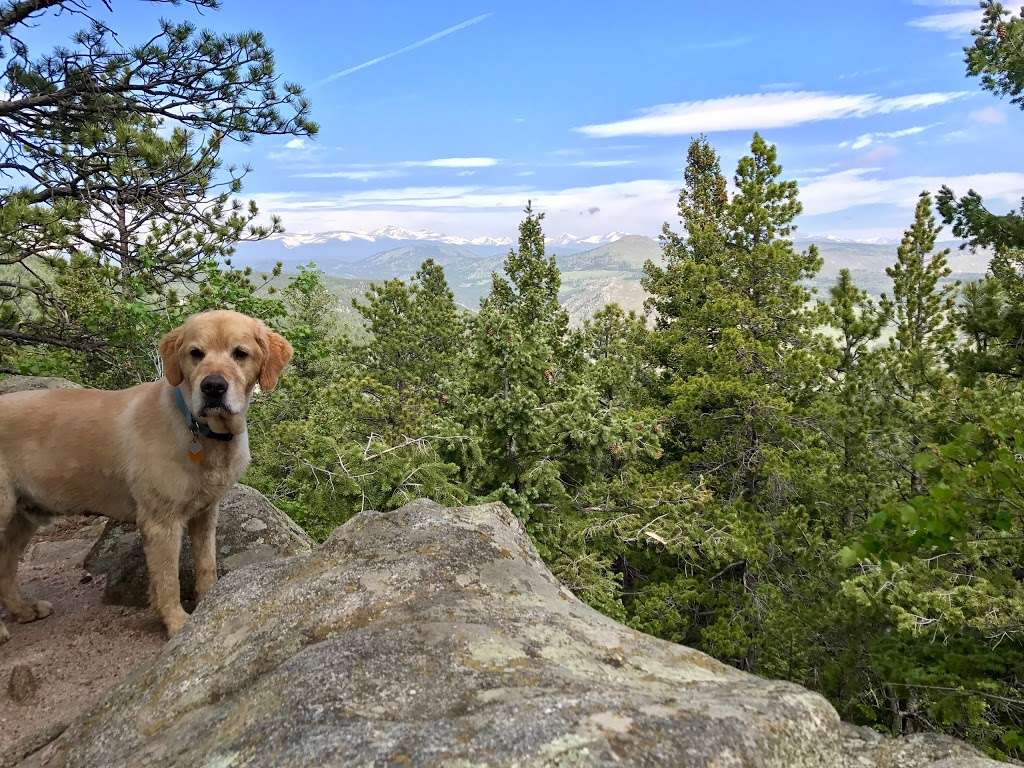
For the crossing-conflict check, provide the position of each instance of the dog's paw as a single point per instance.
(174, 622)
(40, 609)
(4, 634)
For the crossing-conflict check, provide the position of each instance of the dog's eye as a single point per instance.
(197, 354)
(240, 354)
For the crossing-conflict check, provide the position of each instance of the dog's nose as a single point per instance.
(214, 385)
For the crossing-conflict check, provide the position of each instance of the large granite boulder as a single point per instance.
(249, 530)
(432, 636)
(26, 383)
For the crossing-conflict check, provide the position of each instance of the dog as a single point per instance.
(161, 454)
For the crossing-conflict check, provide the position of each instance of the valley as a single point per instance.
(596, 271)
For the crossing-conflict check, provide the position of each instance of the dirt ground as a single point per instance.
(79, 651)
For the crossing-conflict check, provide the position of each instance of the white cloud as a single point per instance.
(296, 143)
(862, 186)
(411, 47)
(452, 162)
(954, 22)
(638, 206)
(860, 73)
(867, 139)
(761, 111)
(713, 45)
(988, 116)
(959, 22)
(352, 175)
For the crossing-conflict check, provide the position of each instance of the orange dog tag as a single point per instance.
(195, 452)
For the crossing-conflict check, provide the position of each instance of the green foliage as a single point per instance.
(362, 426)
(115, 185)
(734, 334)
(997, 56)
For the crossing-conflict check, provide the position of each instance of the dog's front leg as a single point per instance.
(161, 540)
(202, 534)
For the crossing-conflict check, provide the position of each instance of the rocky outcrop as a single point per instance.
(25, 383)
(432, 636)
(864, 748)
(249, 530)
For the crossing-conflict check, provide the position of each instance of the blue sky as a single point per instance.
(449, 116)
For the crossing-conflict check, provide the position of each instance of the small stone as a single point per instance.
(22, 685)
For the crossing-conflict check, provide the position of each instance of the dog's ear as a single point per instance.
(276, 354)
(169, 345)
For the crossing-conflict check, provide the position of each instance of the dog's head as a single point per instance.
(220, 356)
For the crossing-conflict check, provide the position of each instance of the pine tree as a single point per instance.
(921, 307)
(850, 411)
(519, 371)
(733, 332)
(97, 185)
(412, 358)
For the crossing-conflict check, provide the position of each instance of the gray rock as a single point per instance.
(22, 684)
(26, 383)
(249, 530)
(432, 636)
(865, 748)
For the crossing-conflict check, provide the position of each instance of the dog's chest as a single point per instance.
(211, 478)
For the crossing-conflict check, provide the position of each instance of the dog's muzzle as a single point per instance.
(213, 387)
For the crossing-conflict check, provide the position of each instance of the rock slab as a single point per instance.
(249, 530)
(433, 636)
(27, 383)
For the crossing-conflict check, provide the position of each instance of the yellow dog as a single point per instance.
(161, 454)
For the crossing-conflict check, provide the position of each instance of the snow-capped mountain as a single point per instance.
(399, 234)
(595, 268)
(593, 240)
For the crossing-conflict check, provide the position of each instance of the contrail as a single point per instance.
(406, 49)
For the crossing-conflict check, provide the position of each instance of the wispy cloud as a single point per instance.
(867, 139)
(452, 162)
(988, 116)
(296, 143)
(712, 45)
(958, 22)
(862, 186)
(860, 73)
(954, 22)
(760, 111)
(639, 205)
(411, 47)
(352, 175)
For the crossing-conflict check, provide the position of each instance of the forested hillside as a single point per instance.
(592, 277)
(824, 489)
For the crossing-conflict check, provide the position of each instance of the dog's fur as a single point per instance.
(125, 454)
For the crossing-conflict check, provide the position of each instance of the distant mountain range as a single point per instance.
(596, 270)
